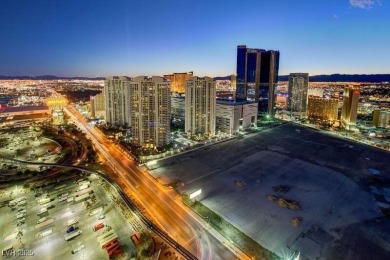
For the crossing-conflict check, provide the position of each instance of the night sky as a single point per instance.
(100, 38)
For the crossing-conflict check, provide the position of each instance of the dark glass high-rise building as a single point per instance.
(257, 75)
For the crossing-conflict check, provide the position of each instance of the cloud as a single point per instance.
(335, 16)
(364, 4)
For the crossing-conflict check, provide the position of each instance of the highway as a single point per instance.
(160, 204)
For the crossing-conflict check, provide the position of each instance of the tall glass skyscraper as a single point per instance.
(257, 75)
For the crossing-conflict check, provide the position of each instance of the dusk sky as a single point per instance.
(141, 37)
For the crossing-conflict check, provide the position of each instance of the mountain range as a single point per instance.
(345, 78)
(316, 78)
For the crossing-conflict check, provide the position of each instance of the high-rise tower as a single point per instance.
(350, 105)
(150, 111)
(200, 102)
(117, 99)
(322, 110)
(298, 84)
(257, 75)
(98, 106)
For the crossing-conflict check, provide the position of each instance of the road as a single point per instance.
(159, 203)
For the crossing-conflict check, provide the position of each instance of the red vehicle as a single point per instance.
(112, 247)
(98, 226)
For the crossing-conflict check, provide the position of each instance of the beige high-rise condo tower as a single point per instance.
(150, 111)
(200, 102)
(117, 99)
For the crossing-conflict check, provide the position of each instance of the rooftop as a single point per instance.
(22, 109)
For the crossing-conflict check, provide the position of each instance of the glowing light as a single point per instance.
(195, 193)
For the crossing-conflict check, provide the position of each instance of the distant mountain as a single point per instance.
(316, 78)
(48, 77)
(345, 78)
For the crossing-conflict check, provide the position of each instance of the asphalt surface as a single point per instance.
(53, 245)
(325, 174)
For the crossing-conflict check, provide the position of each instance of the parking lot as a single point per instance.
(337, 190)
(35, 223)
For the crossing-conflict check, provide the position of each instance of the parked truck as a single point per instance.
(45, 232)
(85, 191)
(84, 182)
(95, 211)
(82, 187)
(73, 234)
(109, 240)
(98, 226)
(72, 221)
(44, 201)
(44, 223)
(62, 198)
(81, 198)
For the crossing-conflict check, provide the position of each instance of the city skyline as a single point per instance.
(80, 39)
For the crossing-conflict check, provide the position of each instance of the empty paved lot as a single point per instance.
(329, 177)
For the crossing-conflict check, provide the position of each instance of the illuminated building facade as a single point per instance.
(178, 81)
(22, 115)
(117, 100)
(257, 76)
(381, 118)
(233, 79)
(98, 108)
(226, 85)
(298, 84)
(367, 108)
(323, 110)
(350, 106)
(200, 101)
(56, 104)
(318, 92)
(150, 111)
(231, 117)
